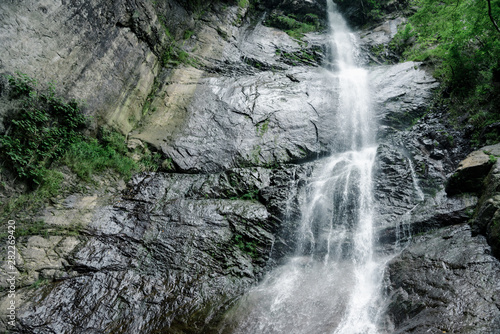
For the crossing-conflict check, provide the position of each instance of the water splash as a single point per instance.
(331, 283)
(416, 186)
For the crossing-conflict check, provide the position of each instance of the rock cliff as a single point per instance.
(241, 123)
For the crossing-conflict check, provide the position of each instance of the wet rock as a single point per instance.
(396, 190)
(401, 93)
(172, 252)
(375, 42)
(445, 281)
(486, 220)
(471, 172)
(403, 209)
(257, 120)
(248, 107)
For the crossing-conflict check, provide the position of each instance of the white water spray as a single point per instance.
(331, 284)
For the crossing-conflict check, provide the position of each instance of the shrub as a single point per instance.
(294, 26)
(41, 131)
(460, 41)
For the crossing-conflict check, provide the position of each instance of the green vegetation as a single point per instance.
(251, 195)
(33, 200)
(369, 10)
(460, 40)
(46, 133)
(173, 54)
(39, 282)
(255, 154)
(248, 247)
(188, 33)
(301, 57)
(41, 131)
(243, 3)
(40, 228)
(86, 158)
(262, 128)
(293, 25)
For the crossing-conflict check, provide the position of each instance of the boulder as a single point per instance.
(446, 281)
(471, 172)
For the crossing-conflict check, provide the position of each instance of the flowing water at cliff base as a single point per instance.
(331, 283)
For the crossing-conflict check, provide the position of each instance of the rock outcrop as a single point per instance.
(86, 47)
(445, 282)
(241, 125)
(170, 255)
(471, 172)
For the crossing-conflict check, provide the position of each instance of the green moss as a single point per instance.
(40, 282)
(33, 200)
(247, 246)
(187, 34)
(90, 157)
(262, 128)
(294, 26)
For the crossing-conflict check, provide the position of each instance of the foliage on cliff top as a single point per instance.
(294, 25)
(363, 12)
(461, 41)
(45, 134)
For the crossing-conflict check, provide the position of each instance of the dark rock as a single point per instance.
(445, 281)
(298, 7)
(375, 42)
(402, 93)
(171, 254)
(358, 13)
(471, 172)
(486, 220)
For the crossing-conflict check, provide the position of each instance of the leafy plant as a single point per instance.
(461, 42)
(41, 131)
(88, 157)
(50, 187)
(294, 26)
(248, 247)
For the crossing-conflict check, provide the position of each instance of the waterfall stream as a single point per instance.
(331, 283)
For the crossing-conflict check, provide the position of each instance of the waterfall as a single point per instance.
(331, 283)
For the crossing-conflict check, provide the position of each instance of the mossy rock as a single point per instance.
(472, 171)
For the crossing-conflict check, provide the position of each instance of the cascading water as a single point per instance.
(330, 285)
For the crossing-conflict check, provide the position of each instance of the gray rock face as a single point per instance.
(486, 219)
(175, 250)
(445, 281)
(100, 52)
(168, 256)
(401, 93)
(260, 120)
(256, 103)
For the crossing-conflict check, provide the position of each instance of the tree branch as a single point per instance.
(491, 16)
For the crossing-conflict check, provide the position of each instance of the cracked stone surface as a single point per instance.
(445, 281)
